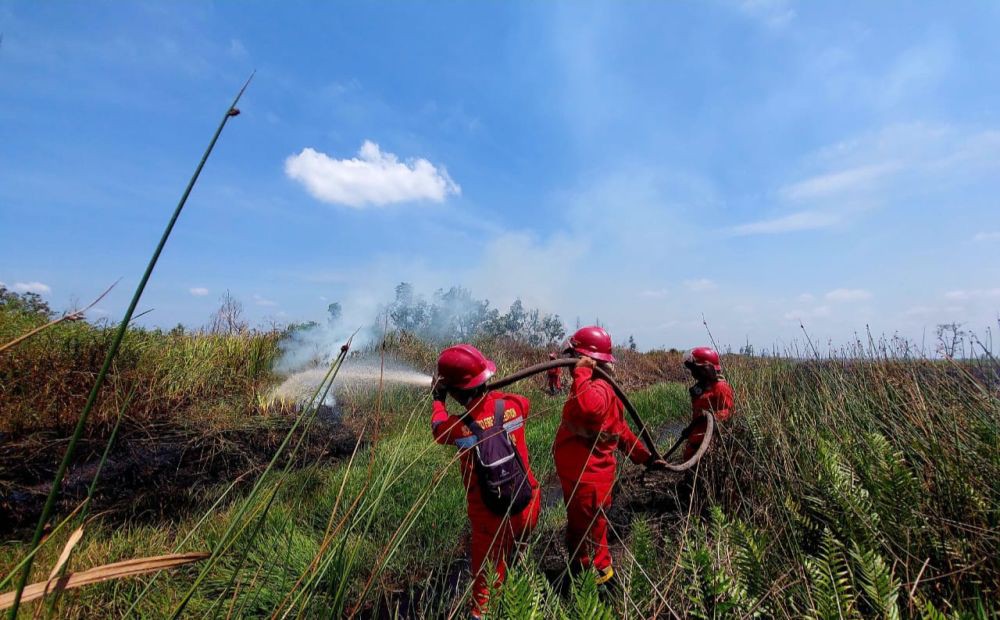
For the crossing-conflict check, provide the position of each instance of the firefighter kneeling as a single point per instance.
(593, 427)
(501, 491)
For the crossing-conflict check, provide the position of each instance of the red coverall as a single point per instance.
(715, 397)
(493, 536)
(554, 376)
(593, 427)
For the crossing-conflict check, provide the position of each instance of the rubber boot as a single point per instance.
(608, 586)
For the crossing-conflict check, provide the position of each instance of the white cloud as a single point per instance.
(32, 287)
(848, 294)
(263, 301)
(374, 178)
(894, 166)
(806, 298)
(919, 311)
(700, 285)
(198, 291)
(660, 293)
(818, 312)
(237, 49)
(773, 13)
(803, 220)
(979, 293)
(837, 183)
(987, 236)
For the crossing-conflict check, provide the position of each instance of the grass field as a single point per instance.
(861, 487)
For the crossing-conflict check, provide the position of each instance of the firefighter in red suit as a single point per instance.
(711, 393)
(593, 428)
(554, 377)
(462, 371)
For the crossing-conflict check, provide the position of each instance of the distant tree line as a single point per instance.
(454, 315)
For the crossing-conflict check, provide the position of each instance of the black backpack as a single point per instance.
(503, 478)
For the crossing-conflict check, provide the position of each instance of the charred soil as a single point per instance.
(152, 472)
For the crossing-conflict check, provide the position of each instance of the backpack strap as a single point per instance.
(499, 406)
(473, 426)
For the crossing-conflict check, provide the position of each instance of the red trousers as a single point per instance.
(493, 539)
(586, 523)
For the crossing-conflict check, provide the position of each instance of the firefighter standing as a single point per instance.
(593, 427)
(710, 393)
(553, 377)
(462, 371)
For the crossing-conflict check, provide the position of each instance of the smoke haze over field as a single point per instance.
(445, 317)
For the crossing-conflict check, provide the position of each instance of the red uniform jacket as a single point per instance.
(555, 376)
(449, 429)
(593, 427)
(716, 398)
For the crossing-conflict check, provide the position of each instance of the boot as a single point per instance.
(608, 586)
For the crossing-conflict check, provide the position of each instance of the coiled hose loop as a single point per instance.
(647, 439)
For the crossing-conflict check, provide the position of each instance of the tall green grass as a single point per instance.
(856, 488)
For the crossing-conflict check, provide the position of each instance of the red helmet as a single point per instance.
(463, 367)
(592, 341)
(703, 356)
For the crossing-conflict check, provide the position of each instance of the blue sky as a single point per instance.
(758, 162)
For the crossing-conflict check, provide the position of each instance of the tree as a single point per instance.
(333, 311)
(553, 329)
(408, 312)
(631, 343)
(31, 303)
(951, 339)
(513, 322)
(228, 319)
(456, 315)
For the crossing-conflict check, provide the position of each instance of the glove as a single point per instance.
(439, 392)
(655, 464)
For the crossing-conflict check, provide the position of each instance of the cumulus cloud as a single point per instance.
(198, 291)
(848, 294)
(32, 287)
(373, 178)
(700, 285)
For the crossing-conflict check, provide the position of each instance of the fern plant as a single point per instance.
(880, 586)
(585, 602)
(839, 484)
(711, 590)
(522, 596)
(831, 594)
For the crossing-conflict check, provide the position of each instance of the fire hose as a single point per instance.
(643, 430)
